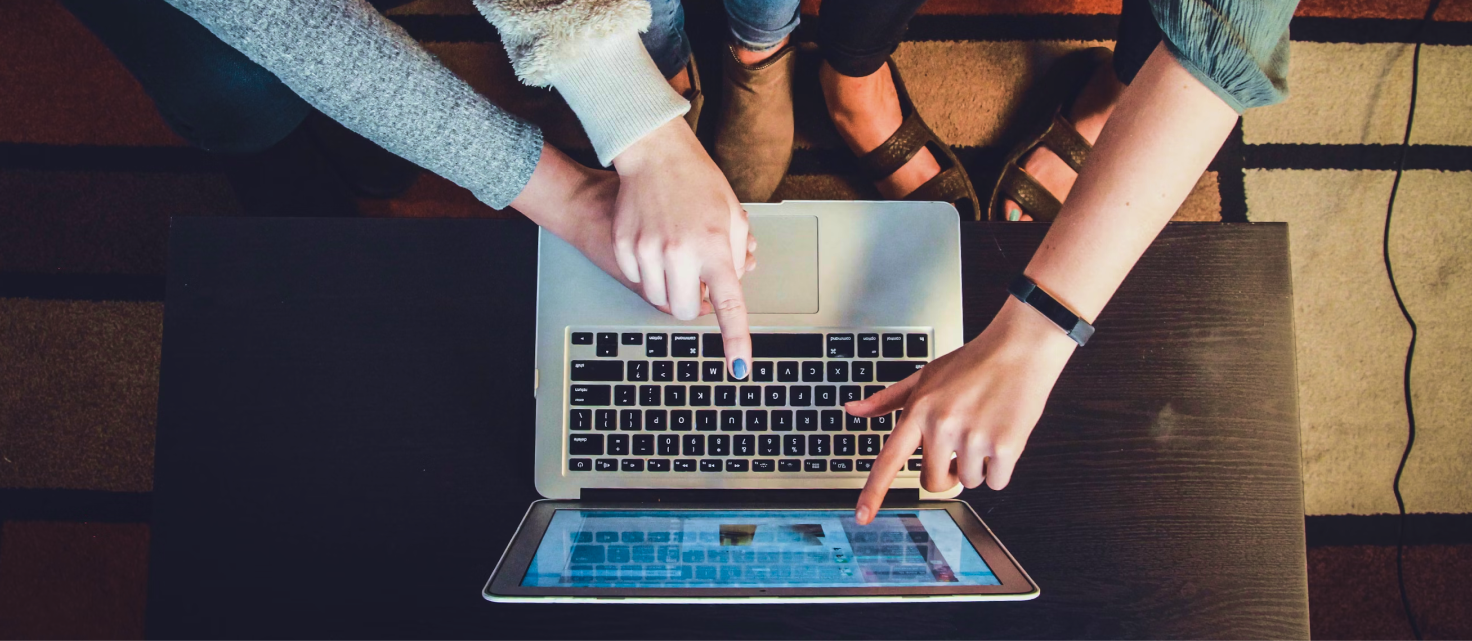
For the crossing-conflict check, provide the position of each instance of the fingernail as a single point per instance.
(862, 514)
(1014, 214)
(738, 368)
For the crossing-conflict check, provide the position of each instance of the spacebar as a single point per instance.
(770, 346)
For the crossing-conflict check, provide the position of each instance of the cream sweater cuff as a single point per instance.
(617, 93)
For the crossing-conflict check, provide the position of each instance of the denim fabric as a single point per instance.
(755, 25)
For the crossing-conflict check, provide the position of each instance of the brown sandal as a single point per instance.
(951, 185)
(1061, 86)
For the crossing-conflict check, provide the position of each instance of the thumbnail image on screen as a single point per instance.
(754, 548)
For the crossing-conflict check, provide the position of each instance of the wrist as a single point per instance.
(1025, 326)
(648, 149)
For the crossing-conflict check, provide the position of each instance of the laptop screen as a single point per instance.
(754, 548)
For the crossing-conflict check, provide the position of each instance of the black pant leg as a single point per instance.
(1137, 39)
(858, 35)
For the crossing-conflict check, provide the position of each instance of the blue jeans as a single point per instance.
(755, 24)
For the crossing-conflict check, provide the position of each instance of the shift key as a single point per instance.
(590, 394)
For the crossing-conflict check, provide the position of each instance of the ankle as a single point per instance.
(753, 58)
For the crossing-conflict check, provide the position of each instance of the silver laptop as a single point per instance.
(849, 298)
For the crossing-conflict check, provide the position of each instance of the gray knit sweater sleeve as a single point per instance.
(368, 74)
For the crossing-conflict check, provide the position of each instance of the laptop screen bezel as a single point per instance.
(506, 580)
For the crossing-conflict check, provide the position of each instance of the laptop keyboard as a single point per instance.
(663, 402)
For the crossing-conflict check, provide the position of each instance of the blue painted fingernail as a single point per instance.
(1014, 214)
(738, 368)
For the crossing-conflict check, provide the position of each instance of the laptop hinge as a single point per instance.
(847, 497)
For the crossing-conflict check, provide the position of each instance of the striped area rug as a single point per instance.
(89, 176)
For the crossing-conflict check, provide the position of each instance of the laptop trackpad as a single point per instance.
(786, 277)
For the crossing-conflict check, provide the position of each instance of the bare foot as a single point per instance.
(867, 112)
(1088, 115)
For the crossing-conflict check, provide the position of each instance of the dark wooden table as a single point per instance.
(345, 445)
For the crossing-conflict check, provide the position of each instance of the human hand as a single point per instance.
(979, 403)
(680, 233)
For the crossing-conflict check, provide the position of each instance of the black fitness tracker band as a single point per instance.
(1028, 292)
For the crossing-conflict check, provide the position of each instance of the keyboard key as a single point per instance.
(692, 445)
(794, 445)
(623, 394)
(815, 465)
(685, 464)
(580, 464)
(712, 346)
(787, 345)
(710, 465)
(618, 444)
(789, 465)
(664, 371)
(840, 346)
(713, 371)
(700, 396)
(688, 371)
(894, 345)
(868, 346)
(762, 371)
(769, 445)
(682, 420)
(831, 421)
(725, 396)
(841, 465)
(863, 372)
(756, 420)
(743, 445)
(607, 344)
(630, 420)
(843, 444)
(685, 345)
(589, 394)
(825, 396)
(776, 395)
(585, 444)
(763, 465)
(706, 420)
(751, 395)
(812, 371)
(819, 444)
(917, 346)
(638, 371)
(807, 420)
(580, 420)
(787, 371)
(643, 445)
(649, 395)
(849, 393)
(659, 465)
(596, 371)
(730, 420)
(837, 371)
(864, 464)
(605, 420)
(802, 396)
(736, 465)
(674, 395)
(582, 338)
(869, 445)
(870, 390)
(628, 338)
(656, 345)
(655, 421)
(913, 465)
(781, 420)
(633, 465)
(606, 465)
(667, 444)
(894, 371)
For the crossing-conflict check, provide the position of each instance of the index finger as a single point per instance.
(729, 304)
(896, 453)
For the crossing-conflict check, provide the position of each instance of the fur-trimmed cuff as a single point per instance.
(543, 36)
(618, 93)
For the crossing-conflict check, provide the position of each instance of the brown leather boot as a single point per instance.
(753, 143)
(694, 95)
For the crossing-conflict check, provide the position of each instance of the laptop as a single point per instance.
(636, 406)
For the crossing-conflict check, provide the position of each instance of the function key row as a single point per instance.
(598, 371)
(581, 420)
(740, 445)
(726, 465)
(660, 345)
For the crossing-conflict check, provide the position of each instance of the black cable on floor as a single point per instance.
(1400, 544)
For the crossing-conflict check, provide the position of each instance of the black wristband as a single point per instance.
(1028, 292)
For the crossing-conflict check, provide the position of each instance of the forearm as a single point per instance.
(1160, 138)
